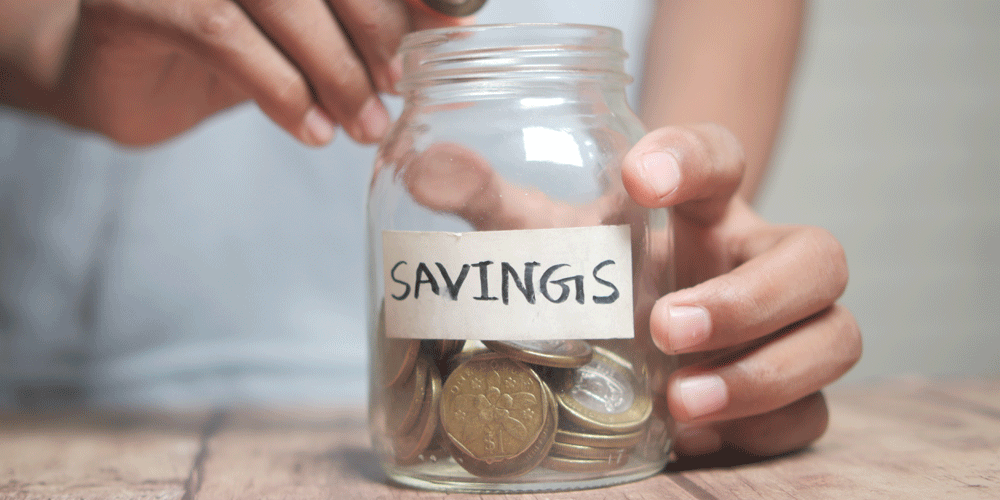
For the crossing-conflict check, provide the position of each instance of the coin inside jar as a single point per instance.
(406, 400)
(460, 358)
(590, 452)
(409, 447)
(604, 396)
(400, 358)
(525, 461)
(566, 464)
(553, 353)
(445, 349)
(622, 440)
(497, 415)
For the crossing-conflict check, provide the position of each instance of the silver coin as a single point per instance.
(602, 396)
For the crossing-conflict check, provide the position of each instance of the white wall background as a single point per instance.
(893, 143)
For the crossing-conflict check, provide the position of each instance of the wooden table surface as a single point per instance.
(901, 438)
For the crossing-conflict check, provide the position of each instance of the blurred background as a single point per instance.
(892, 142)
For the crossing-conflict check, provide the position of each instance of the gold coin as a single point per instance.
(565, 464)
(410, 447)
(526, 461)
(400, 358)
(407, 400)
(460, 358)
(493, 411)
(605, 396)
(590, 452)
(623, 440)
(554, 353)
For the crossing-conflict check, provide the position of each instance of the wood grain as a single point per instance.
(901, 438)
(889, 441)
(96, 457)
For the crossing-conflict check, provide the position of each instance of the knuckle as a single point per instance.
(346, 86)
(216, 20)
(726, 152)
(345, 73)
(772, 375)
(290, 92)
(738, 300)
(712, 151)
(369, 28)
(689, 141)
(382, 22)
(728, 140)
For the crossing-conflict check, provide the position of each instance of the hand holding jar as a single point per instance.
(754, 319)
(538, 263)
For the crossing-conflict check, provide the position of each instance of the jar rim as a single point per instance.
(440, 35)
(511, 52)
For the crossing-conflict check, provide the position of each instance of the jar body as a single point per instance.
(510, 275)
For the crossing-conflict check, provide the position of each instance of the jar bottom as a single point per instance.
(446, 475)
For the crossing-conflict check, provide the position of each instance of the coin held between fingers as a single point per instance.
(455, 8)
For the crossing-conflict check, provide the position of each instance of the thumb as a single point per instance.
(696, 169)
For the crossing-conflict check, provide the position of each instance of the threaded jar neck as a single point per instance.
(497, 56)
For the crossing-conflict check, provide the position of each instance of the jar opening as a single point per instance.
(512, 52)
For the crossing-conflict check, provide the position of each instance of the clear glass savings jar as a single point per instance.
(511, 276)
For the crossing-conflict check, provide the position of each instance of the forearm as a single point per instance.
(34, 40)
(724, 62)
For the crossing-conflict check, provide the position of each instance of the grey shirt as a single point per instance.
(223, 267)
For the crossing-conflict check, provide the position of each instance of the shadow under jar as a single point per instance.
(511, 277)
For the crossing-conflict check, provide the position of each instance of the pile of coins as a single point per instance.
(502, 408)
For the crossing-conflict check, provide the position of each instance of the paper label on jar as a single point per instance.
(534, 284)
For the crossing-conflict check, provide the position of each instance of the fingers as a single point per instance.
(786, 274)
(792, 364)
(696, 168)
(785, 429)
(310, 64)
(346, 52)
(761, 309)
(310, 35)
(376, 28)
(452, 178)
(222, 34)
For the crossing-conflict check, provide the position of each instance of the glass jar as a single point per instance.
(511, 276)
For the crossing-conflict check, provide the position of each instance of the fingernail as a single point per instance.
(697, 440)
(687, 327)
(660, 172)
(319, 127)
(703, 394)
(374, 119)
